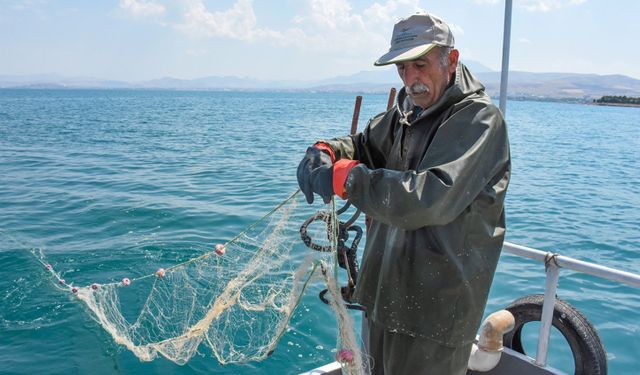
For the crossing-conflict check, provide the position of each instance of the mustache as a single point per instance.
(417, 89)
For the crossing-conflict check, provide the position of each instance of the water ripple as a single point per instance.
(113, 183)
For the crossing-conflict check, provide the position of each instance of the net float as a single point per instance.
(344, 356)
(220, 250)
(161, 272)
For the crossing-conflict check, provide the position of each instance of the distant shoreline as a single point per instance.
(494, 96)
(616, 104)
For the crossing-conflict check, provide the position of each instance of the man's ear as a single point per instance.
(453, 60)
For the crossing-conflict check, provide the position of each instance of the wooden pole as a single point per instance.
(392, 98)
(356, 115)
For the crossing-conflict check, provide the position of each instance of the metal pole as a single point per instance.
(553, 274)
(506, 42)
(575, 264)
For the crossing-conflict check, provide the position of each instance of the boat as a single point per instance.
(509, 356)
(588, 352)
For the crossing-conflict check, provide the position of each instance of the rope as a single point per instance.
(550, 259)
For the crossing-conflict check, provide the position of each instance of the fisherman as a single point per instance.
(432, 174)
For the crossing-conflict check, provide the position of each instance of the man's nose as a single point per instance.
(410, 75)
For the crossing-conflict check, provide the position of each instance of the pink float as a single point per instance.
(220, 250)
(344, 356)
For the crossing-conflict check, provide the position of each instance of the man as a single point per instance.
(432, 173)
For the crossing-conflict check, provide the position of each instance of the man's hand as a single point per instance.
(316, 173)
(322, 183)
(312, 177)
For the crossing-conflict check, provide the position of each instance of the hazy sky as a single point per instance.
(303, 39)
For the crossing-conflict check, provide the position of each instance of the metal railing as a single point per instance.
(553, 262)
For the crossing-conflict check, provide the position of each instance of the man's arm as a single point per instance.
(370, 146)
(469, 150)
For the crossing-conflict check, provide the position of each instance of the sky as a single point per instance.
(135, 40)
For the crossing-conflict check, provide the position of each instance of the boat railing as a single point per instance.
(553, 263)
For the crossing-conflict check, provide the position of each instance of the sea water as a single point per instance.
(112, 183)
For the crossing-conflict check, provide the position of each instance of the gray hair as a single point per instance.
(444, 56)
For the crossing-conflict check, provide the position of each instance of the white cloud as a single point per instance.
(196, 52)
(523, 41)
(482, 2)
(24, 5)
(457, 30)
(388, 12)
(326, 26)
(547, 5)
(141, 8)
(535, 5)
(334, 14)
(238, 22)
(334, 26)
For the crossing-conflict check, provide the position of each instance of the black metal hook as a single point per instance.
(347, 254)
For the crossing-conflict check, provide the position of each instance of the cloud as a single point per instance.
(335, 26)
(388, 12)
(457, 30)
(25, 5)
(523, 41)
(238, 22)
(334, 14)
(142, 8)
(325, 26)
(546, 5)
(196, 52)
(535, 5)
(482, 2)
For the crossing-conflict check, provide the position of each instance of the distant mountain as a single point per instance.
(521, 84)
(378, 80)
(561, 85)
(58, 81)
(382, 75)
(476, 67)
(208, 83)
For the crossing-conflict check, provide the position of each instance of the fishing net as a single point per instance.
(236, 300)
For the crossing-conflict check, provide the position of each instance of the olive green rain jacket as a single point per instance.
(435, 189)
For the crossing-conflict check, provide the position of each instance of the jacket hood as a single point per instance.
(463, 85)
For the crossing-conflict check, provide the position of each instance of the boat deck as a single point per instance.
(510, 363)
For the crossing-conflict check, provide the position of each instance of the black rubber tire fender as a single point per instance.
(589, 355)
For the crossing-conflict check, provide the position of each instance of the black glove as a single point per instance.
(322, 183)
(314, 159)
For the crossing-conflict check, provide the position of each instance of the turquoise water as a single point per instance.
(111, 183)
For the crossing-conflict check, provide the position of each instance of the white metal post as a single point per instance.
(553, 274)
(506, 43)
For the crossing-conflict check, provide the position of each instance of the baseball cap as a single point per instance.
(415, 36)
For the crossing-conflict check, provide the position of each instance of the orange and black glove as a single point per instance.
(317, 156)
(318, 174)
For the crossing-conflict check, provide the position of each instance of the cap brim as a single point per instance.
(404, 54)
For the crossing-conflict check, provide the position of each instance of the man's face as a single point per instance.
(426, 78)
